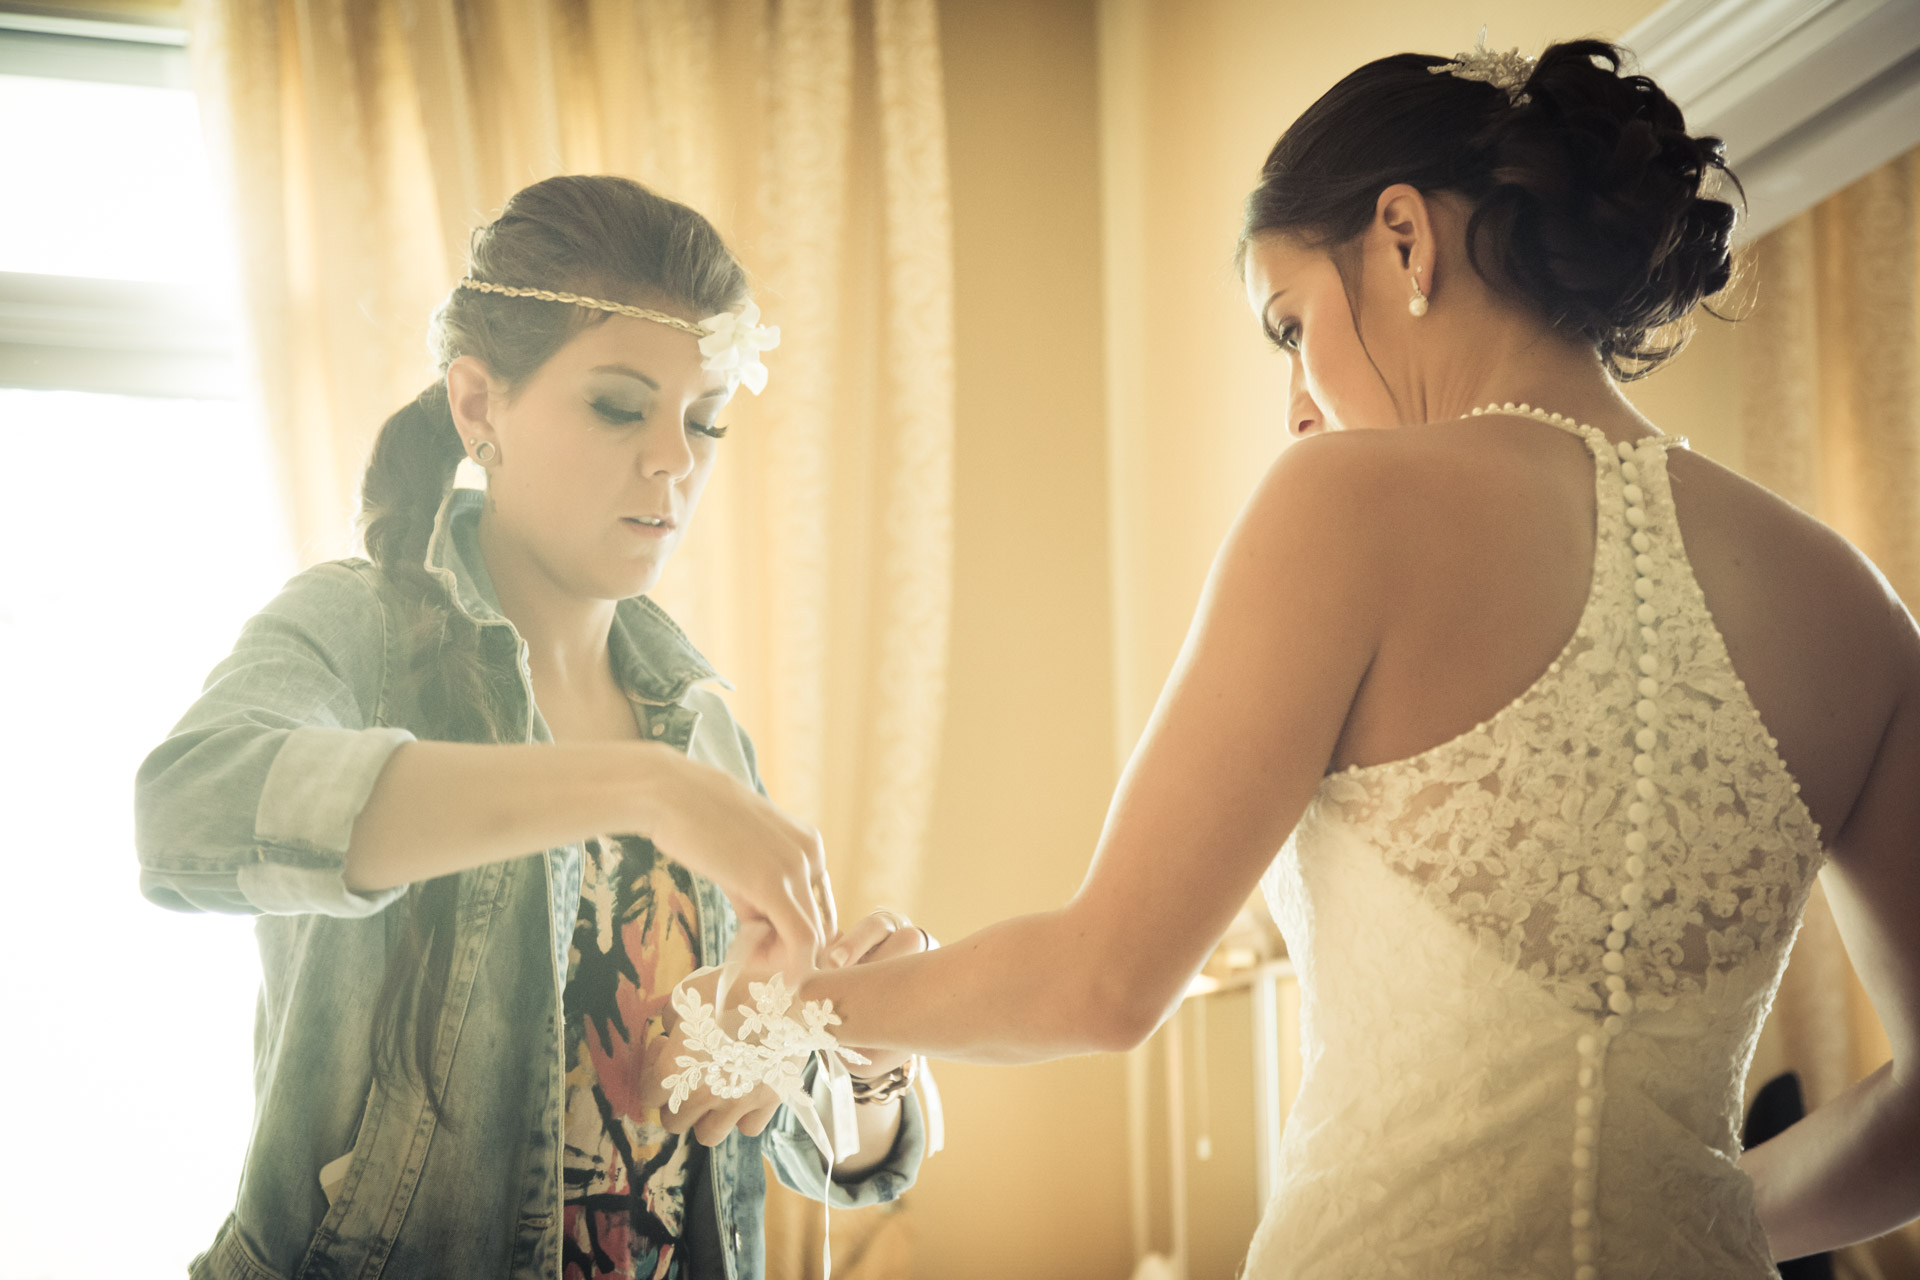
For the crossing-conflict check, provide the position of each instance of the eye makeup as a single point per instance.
(623, 396)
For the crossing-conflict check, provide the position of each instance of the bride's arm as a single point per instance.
(1851, 1170)
(1239, 741)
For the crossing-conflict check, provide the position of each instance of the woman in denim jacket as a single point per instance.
(452, 1032)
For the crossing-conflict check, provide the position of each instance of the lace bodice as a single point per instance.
(1589, 897)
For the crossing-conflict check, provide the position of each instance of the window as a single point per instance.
(141, 525)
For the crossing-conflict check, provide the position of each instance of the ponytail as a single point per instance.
(407, 480)
(408, 476)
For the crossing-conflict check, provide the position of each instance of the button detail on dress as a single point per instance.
(1641, 645)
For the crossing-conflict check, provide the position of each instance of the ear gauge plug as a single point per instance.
(1417, 305)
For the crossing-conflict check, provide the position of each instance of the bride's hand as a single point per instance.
(881, 935)
(708, 1117)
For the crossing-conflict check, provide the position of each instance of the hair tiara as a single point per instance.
(730, 342)
(1508, 71)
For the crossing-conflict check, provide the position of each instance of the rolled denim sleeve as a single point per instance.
(249, 804)
(801, 1166)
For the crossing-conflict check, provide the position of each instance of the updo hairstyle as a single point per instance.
(1592, 203)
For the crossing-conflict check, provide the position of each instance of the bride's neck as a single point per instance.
(1498, 357)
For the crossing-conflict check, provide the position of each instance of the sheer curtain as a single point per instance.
(1831, 365)
(364, 138)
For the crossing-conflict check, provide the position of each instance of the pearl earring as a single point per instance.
(1417, 305)
(484, 452)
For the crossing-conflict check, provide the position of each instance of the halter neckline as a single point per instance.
(1574, 427)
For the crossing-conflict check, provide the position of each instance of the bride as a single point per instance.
(1551, 720)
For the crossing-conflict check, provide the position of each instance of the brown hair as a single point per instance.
(603, 237)
(1590, 201)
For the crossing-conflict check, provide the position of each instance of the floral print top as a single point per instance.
(626, 1177)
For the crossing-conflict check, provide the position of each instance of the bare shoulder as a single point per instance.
(1367, 486)
(1746, 541)
(1421, 496)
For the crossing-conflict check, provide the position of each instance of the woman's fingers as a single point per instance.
(806, 887)
(767, 863)
(715, 1125)
(822, 886)
(755, 1122)
(908, 941)
(797, 928)
(686, 1117)
(867, 933)
(880, 935)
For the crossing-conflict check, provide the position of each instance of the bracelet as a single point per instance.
(885, 1088)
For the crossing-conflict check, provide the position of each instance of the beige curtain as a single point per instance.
(365, 137)
(1831, 365)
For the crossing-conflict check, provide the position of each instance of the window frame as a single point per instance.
(121, 337)
(1809, 95)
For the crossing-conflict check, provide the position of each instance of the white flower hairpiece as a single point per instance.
(734, 342)
(1509, 71)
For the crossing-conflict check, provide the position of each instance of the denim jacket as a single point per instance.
(248, 807)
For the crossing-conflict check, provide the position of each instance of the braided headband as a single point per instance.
(730, 342)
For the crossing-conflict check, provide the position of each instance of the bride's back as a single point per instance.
(1541, 902)
(1494, 521)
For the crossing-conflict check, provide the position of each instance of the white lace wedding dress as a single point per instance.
(1534, 960)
